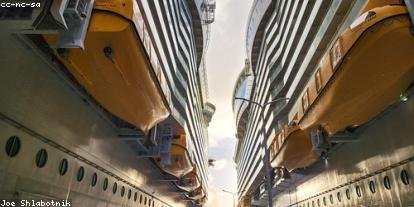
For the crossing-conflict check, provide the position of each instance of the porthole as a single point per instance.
(122, 191)
(114, 188)
(81, 174)
(129, 194)
(358, 191)
(324, 201)
(405, 178)
(41, 158)
(372, 187)
(387, 182)
(105, 184)
(348, 194)
(94, 179)
(13, 146)
(331, 199)
(135, 196)
(140, 198)
(339, 196)
(63, 167)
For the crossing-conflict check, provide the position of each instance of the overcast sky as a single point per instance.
(225, 60)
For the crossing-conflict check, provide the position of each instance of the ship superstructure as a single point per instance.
(106, 102)
(334, 78)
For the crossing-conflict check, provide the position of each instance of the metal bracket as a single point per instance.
(410, 8)
(344, 137)
(320, 143)
(77, 15)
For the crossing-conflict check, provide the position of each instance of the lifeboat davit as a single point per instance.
(115, 68)
(189, 182)
(365, 71)
(201, 201)
(181, 163)
(292, 149)
(196, 194)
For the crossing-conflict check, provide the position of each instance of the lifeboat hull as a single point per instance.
(197, 194)
(295, 150)
(181, 163)
(114, 68)
(367, 75)
(189, 182)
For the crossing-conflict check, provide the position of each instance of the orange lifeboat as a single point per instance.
(196, 194)
(292, 149)
(181, 164)
(244, 202)
(189, 182)
(201, 201)
(364, 72)
(114, 66)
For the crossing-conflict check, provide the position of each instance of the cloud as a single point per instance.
(220, 164)
(225, 60)
(217, 198)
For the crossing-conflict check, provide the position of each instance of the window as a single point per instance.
(336, 54)
(405, 178)
(13, 146)
(339, 196)
(105, 184)
(372, 187)
(305, 101)
(81, 173)
(63, 167)
(94, 179)
(114, 188)
(318, 80)
(358, 190)
(122, 191)
(348, 194)
(41, 158)
(387, 183)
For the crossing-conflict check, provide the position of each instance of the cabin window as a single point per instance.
(318, 80)
(372, 187)
(63, 167)
(114, 188)
(405, 178)
(358, 191)
(305, 101)
(387, 182)
(81, 173)
(41, 158)
(122, 191)
(13, 146)
(336, 54)
(348, 194)
(94, 179)
(105, 184)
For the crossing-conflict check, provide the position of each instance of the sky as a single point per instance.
(225, 60)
